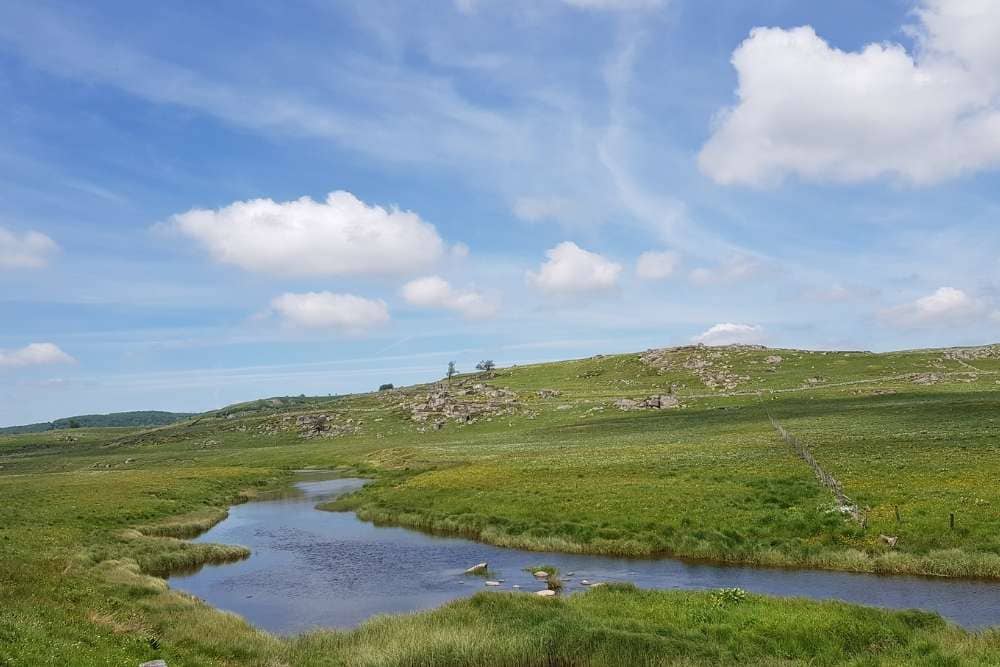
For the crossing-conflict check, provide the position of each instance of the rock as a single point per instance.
(657, 402)
(479, 568)
(541, 574)
(889, 539)
(598, 583)
(154, 663)
(546, 593)
(465, 405)
(584, 582)
(492, 583)
(774, 359)
(548, 393)
(516, 586)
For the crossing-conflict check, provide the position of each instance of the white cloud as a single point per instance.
(35, 354)
(536, 209)
(734, 268)
(30, 250)
(727, 333)
(435, 292)
(340, 236)
(944, 306)
(572, 270)
(657, 265)
(325, 310)
(615, 5)
(809, 109)
(840, 293)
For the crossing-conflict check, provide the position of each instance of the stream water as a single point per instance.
(311, 568)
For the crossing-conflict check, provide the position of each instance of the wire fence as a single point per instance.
(825, 478)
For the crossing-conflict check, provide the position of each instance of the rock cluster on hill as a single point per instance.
(708, 364)
(322, 425)
(659, 402)
(463, 404)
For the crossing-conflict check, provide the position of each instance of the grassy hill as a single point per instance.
(738, 454)
(113, 420)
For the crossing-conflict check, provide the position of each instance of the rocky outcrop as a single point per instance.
(709, 364)
(548, 393)
(659, 402)
(463, 404)
(774, 359)
(973, 353)
(927, 378)
(320, 425)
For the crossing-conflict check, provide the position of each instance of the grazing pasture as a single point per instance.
(566, 456)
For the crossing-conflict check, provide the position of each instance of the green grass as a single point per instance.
(87, 518)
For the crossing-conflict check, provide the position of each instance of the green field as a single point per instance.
(538, 457)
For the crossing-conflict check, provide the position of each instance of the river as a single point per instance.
(311, 568)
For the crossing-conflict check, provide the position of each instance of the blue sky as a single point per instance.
(204, 203)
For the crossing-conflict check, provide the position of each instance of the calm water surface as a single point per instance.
(311, 568)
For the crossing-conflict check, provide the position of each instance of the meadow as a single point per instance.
(91, 515)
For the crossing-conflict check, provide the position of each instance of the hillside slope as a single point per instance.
(135, 419)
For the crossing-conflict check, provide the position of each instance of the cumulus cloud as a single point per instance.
(944, 306)
(436, 292)
(733, 268)
(728, 333)
(339, 236)
(572, 270)
(809, 109)
(30, 250)
(345, 313)
(657, 265)
(35, 354)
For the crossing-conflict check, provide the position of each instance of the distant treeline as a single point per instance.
(134, 419)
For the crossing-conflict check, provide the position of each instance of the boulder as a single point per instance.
(546, 593)
(492, 583)
(541, 574)
(656, 402)
(154, 663)
(626, 404)
(889, 539)
(774, 359)
(479, 568)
